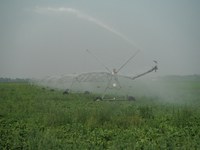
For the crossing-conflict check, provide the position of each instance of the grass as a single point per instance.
(35, 118)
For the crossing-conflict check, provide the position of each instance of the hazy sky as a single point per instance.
(47, 37)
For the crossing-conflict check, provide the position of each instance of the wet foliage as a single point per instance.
(32, 117)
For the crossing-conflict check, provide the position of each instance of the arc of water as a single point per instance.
(87, 17)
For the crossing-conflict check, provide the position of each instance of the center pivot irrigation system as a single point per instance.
(110, 77)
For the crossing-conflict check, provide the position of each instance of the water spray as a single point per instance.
(87, 17)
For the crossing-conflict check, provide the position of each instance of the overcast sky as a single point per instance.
(47, 37)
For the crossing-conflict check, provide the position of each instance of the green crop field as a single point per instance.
(32, 117)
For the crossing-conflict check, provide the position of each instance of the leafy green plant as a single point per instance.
(34, 118)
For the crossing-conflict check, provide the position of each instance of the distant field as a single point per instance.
(32, 117)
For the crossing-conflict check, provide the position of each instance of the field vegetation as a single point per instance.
(33, 117)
